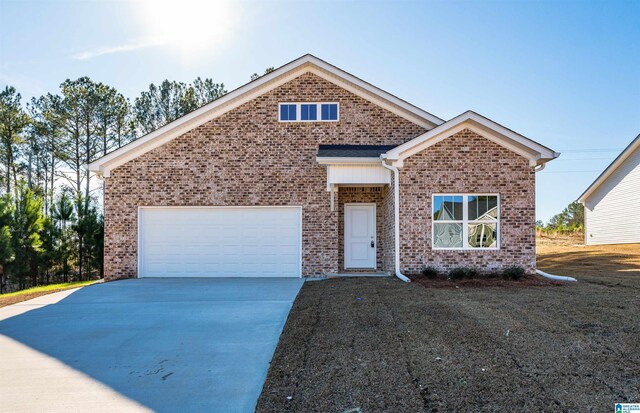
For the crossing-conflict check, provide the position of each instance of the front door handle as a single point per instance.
(372, 244)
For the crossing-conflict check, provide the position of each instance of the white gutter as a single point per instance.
(542, 273)
(556, 277)
(328, 160)
(396, 214)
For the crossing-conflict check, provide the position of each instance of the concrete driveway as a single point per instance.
(191, 345)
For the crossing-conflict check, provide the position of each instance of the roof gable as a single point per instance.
(619, 161)
(251, 90)
(535, 152)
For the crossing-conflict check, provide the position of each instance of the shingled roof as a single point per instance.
(353, 151)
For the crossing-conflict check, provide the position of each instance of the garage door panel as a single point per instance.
(219, 242)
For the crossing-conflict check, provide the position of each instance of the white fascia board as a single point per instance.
(376, 92)
(251, 90)
(481, 125)
(633, 146)
(196, 118)
(325, 160)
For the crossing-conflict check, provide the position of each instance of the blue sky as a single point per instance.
(566, 74)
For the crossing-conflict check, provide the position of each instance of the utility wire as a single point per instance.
(567, 172)
(581, 159)
(592, 150)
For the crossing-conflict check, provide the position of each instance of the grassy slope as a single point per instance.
(23, 295)
(602, 264)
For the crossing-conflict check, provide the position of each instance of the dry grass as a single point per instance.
(608, 264)
(29, 293)
(380, 345)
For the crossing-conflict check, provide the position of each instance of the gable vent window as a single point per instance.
(329, 111)
(309, 112)
(288, 112)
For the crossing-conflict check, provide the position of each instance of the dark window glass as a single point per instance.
(309, 112)
(287, 112)
(483, 208)
(329, 111)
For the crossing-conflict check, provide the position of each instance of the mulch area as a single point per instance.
(482, 282)
(381, 345)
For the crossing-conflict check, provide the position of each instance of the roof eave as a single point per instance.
(292, 69)
(350, 160)
(525, 146)
(613, 166)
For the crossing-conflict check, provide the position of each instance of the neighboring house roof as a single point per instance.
(630, 149)
(536, 153)
(353, 151)
(251, 90)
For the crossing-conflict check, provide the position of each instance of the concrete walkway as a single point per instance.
(189, 345)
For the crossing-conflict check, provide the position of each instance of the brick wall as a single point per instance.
(247, 157)
(467, 163)
(388, 230)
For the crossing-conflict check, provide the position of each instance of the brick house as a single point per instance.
(309, 171)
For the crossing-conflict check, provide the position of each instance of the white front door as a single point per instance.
(360, 236)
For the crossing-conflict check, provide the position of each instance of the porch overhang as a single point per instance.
(357, 174)
(353, 165)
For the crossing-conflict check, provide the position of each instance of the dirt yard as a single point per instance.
(380, 345)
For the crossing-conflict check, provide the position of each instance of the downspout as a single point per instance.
(540, 272)
(396, 215)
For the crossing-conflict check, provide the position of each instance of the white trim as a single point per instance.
(299, 112)
(375, 234)
(264, 84)
(396, 220)
(360, 86)
(624, 155)
(586, 225)
(141, 207)
(517, 143)
(139, 222)
(465, 222)
(327, 160)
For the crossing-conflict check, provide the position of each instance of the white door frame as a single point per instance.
(372, 205)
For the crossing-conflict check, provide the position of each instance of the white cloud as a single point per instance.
(127, 47)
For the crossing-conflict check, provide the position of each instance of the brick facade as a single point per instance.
(467, 163)
(246, 157)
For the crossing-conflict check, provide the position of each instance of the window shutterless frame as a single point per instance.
(465, 222)
(318, 111)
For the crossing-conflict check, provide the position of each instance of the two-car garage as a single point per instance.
(219, 241)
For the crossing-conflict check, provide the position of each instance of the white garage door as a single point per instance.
(220, 242)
